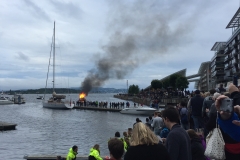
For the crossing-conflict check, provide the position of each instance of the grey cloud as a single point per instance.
(141, 31)
(68, 9)
(36, 10)
(22, 56)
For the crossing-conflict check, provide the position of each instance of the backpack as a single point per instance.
(184, 117)
(164, 132)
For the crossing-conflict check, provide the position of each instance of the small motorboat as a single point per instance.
(138, 111)
(40, 97)
(5, 100)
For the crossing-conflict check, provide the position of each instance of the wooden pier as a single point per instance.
(52, 157)
(97, 109)
(7, 126)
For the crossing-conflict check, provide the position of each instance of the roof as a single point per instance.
(235, 20)
(201, 70)
(218, 45)
(203, 67)
(181, 72)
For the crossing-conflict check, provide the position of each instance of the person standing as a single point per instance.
(195, 108)
(157, 124)
(177, 142)
(197, 148)
(72, 154)
(183, 111)
(145, 145)
(221, 89)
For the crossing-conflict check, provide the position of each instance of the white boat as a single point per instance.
(5, 100)
(56, 101)
(138, 111)
(40, 97)
(18, 99)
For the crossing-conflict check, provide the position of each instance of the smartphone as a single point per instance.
(227, 105)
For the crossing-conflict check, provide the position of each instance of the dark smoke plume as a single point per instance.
(139, 32)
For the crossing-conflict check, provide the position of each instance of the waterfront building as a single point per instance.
(202, 78)
(225, 63)
(217, 65)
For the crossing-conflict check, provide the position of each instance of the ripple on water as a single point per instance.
(43, 131)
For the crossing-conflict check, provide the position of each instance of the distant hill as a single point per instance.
(65, 90)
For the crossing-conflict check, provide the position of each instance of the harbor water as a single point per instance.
(42, 131)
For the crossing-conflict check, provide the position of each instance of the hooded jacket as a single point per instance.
(95, 154)
(197, 149)
(71, 155)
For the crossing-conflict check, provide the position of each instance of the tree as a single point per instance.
(172, 80)
(156, 84)
(165, 83)
(133, 89)
(182, 83)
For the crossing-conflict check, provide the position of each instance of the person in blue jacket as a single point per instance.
(227, 122)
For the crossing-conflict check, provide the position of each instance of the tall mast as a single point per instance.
(54, 57)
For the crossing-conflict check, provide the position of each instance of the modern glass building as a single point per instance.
(217, 64)
(225, 63)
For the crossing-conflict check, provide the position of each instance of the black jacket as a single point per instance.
(196, 104)
(197, 149)
(147, 152)
(178, 143)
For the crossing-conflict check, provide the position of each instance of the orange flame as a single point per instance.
(82, 95)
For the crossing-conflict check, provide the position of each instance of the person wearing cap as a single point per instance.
(195, 108)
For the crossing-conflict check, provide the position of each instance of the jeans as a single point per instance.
(157, 131)
(198, 121)
(185, 126)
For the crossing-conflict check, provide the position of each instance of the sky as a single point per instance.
(111, 41)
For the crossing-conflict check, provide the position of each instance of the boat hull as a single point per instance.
(138, 111)
(57, 105)
(5, 102)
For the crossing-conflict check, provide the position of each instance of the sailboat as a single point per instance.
(57, 101)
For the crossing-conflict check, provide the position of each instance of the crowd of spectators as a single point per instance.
(179, 132)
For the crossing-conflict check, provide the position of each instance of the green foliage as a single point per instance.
(173, 79)
(156, 84)
(133, 89)
(182, 83)
(176, 81)
(165, 83)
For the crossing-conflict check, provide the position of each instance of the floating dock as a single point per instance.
(98, 109)
(7, 126)
(51, 157)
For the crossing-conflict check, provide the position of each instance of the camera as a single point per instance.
(227, 105)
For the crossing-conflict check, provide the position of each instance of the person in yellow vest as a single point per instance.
(94, 153)
(72, 154)
(117, 135)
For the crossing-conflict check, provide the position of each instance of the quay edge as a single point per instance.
(98, 109)
(52, 157)
(147, 102)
